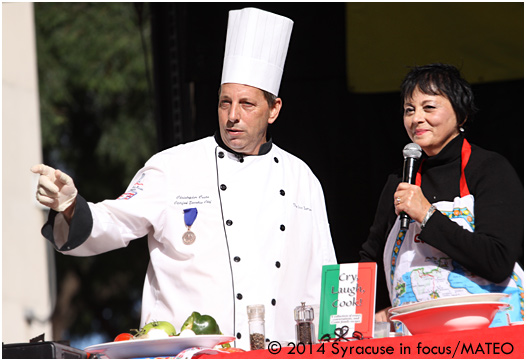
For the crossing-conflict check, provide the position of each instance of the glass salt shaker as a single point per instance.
(256, 326)
(304, 316)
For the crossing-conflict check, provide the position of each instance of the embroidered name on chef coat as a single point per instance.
(192, 200)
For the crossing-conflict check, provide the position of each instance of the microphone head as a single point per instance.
(412, 150)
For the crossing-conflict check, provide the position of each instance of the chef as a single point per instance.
(232, 219)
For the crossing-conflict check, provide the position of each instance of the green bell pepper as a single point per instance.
(201, 324)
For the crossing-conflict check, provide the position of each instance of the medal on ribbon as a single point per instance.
(190, 215)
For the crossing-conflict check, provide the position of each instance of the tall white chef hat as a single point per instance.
(256, 47)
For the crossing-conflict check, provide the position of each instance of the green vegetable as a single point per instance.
(201, 324)
(160, 325)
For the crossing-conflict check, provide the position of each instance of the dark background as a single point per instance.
(351, 141)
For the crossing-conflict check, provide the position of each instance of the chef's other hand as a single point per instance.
(56, 189)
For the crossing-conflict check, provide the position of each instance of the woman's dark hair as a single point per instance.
(445, 80)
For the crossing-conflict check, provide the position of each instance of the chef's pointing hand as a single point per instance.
(56, 189)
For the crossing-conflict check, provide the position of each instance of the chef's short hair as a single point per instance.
(269, 97)
(445, 80)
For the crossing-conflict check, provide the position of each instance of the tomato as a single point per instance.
(123, 337)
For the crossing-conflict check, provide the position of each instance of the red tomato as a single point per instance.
(123, 337)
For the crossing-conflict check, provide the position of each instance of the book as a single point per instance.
(348, 296)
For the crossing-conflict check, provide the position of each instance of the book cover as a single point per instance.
(348, 296)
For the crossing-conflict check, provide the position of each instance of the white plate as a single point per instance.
(170, 346)
(473, 298)
(457, 317)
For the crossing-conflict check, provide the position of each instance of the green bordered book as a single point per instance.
(348, 296)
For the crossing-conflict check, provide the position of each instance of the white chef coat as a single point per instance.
(262, 236)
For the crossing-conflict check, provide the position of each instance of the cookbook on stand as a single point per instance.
(348, 296)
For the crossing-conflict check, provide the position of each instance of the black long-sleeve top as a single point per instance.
(498, 239)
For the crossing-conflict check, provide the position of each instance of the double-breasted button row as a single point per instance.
(239, 296)
(229, 222)
(282, 192)
(238, 259)
(240, 158)
(223, 187)
(221, 154)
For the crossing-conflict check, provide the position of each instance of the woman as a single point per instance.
(466, 233)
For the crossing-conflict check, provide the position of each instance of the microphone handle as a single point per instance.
(409, 166)
(409, 170)
(404, 221)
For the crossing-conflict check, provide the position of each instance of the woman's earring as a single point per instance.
(461, 129)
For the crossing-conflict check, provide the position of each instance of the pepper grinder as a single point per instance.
(304, 316)
(256, 326)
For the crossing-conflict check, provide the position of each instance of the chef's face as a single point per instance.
(430, 121)
(244, 115)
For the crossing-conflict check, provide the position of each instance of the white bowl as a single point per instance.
(457, 317)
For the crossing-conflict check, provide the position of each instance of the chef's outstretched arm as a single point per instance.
(56, 190)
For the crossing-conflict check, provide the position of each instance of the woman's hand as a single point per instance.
(409, 198)
(382, 315)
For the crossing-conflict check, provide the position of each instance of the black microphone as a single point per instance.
(412, 153)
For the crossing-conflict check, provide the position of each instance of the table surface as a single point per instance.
(497, 342)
